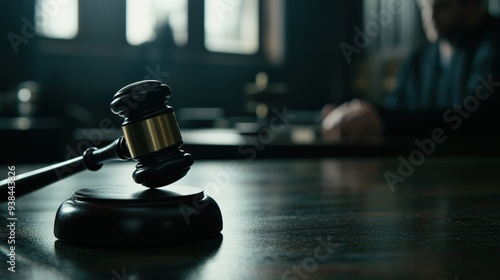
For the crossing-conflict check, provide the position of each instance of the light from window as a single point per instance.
(147, 18)
(232, 26)
(494, 7)
(57, 19)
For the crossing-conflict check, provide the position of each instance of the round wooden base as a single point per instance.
(133, 216)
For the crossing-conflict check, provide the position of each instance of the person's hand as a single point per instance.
(355, 120)
(327, 109)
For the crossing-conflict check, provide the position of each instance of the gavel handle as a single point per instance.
(92, 159)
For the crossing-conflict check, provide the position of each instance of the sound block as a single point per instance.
(134, 216)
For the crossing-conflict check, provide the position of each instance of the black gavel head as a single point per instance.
(151, 133)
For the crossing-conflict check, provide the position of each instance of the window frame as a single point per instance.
(87, 43)
(196, 39)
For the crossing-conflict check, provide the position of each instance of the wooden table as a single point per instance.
(292, 219)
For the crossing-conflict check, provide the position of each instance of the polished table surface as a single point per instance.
(292, 219)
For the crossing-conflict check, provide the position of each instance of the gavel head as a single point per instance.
(151, 133)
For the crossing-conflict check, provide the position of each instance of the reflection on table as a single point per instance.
(293, 219)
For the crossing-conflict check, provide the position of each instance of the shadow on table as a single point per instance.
(179, 261)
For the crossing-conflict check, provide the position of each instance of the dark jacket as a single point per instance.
(462, 99)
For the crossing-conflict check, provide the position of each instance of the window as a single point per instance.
(147, 18)
(57, 19)
(232, 26)
(494, 7)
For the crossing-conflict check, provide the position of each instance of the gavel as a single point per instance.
(130, 215)
(151, 137)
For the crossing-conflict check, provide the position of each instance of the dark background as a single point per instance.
(78, 77)
(89, 69)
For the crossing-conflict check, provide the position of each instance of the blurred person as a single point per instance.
(450, 83)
